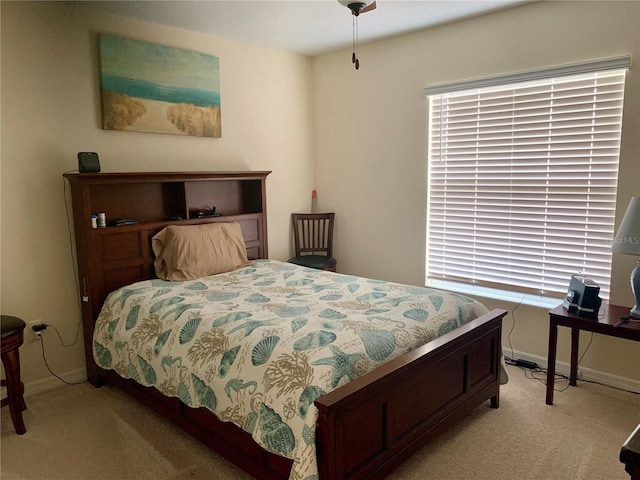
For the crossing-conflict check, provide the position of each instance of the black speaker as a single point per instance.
(88, 162)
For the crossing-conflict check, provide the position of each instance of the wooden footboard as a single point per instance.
(369, 426)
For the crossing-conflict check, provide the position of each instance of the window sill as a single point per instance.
(495, 293)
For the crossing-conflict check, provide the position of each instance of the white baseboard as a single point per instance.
(563, 368)
(74, 376)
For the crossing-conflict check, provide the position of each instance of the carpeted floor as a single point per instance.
(79, 432)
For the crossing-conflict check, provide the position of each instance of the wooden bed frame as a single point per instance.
(367, 427)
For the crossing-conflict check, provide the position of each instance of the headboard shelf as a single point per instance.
(119, 255)
(155, 196)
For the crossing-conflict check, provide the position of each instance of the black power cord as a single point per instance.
(534, 372)
(513, 326)
(73, 263)
(49, 368)
(540, 374)
(39, 328)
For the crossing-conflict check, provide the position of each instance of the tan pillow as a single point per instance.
(194, 251)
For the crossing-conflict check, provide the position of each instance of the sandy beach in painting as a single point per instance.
(154, 119)
(135, 114)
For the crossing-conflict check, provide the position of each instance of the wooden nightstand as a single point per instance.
(608, 317)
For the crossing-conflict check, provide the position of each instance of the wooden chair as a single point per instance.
(12, 338)
(313, 240)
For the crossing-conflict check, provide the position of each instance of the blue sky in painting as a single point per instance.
(158, 64)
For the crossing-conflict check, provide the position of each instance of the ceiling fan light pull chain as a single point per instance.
(355, 60)
(353, 40)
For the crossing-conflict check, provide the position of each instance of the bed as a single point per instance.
(310, 374)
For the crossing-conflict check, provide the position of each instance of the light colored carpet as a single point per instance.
(79, 432)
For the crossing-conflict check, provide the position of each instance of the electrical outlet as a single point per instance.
(31, 333)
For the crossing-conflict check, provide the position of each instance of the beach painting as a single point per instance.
(153, 88)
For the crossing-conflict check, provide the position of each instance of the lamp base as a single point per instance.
(635, 288)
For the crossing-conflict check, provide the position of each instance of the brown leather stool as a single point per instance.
(12, 338)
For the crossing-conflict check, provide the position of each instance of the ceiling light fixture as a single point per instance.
(357, 7)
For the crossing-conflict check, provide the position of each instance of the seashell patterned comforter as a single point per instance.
(258, 345)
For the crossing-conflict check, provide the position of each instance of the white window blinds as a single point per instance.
(522, 182)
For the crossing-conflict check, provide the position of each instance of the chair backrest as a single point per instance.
(313, 233)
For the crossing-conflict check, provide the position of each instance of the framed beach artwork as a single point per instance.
(153, 88)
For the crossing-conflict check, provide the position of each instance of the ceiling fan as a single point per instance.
(357, 7)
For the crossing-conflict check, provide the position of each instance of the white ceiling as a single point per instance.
(309, 27)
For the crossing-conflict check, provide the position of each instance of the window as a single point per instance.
(523, 173)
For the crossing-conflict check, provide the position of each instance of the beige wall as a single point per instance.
(50, 104)
(366, 131)
(371, 132)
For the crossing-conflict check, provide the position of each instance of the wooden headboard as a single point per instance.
(111, 257)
